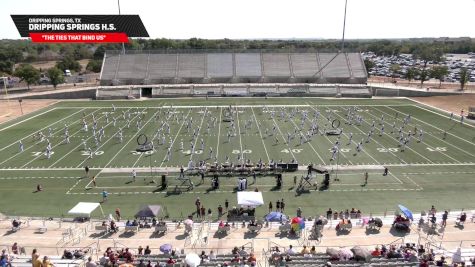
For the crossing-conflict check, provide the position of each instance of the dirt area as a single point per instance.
(433, 84)
(11, 109)
(454, 103)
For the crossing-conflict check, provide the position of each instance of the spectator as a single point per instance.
(251, 258)
(440, 262)
(212, 256)
(141, 263)
(90, 263)
(46, 262)
(171, 261)
(147, 251)
(444, 218)
(220, 211)
(313, 250)
(291, 250)
(36, 262)
(242, 251)
(376, 252)
(203, 211)
(329, 213)
(4, 261)
(149, 264)
(140, 250)
(15, 248)
(117, 214)
(305, 251)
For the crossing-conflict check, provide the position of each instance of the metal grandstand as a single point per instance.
(198, 67)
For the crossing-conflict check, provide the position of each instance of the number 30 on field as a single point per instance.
(293, 150)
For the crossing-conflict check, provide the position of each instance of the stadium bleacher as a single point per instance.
(227, 67)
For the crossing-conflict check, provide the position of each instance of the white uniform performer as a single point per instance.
(22, 147)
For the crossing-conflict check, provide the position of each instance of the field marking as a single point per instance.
(444, 111)
(72, 187)
(151, 117)
(417, 185)
(359, 190)
(103, 143)
(239, 132)
(387, 123)
(328, 139)
(433, 137)
(176, 136)
(47, 126)
(472, 143)
(283, 137)
(440, 131)
(364, 150)
(37, 177)
(153, 138)
(76, 147)
(35, 158)
(248, 106)
(27, 119)
(199, 132)
(397, 141)
(262, 138)
(219, 131)
(308, 142)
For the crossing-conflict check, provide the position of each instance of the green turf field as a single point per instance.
(436, 170)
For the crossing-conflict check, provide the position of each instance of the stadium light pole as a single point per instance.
(344, 26)
(123, 46)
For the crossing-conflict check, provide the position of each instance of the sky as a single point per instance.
(266, 19)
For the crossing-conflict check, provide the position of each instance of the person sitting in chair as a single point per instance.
(462, 218)
(114, 227)
(16, 224)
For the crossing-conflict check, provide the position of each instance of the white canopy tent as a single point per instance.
(252, 199)
(84, 209)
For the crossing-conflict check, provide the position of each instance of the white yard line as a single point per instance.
(387, 123)
(32, 117)
(151, 118)
(444, 111)
(103, 143)
(408, 147)
(354, 142)
(74, 149)
(42, 129)
(199, 131)
(308, 142)
(219, 132)
(35, 158)
(472, 143)
(176, 136)
(262, 138)
(285, 141)
(141, 154)
(239, 132)
(248, 106)
(328, 139)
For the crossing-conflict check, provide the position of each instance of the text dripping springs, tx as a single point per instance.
(70, 27)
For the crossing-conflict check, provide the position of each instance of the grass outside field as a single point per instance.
(436, 171)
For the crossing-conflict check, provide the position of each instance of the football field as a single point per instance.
(435, 167)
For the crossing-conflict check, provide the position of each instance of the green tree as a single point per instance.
(56, 76)
(68, 63)
(424, 75)
(428, 53)
(369, 64)
(395, 68)
(411, 73)
(439, 73)
(27, 73)
(464, 76)
(94, 65)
